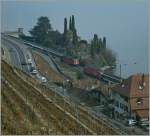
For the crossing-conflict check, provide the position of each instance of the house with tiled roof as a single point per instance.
(131, 97)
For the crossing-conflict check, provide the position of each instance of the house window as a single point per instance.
(125, 108)
(126, 99)
(141, 87)
(117, 103)
(139, 101)
(121, 106)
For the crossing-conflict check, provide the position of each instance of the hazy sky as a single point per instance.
(92, 16)
(123, 22)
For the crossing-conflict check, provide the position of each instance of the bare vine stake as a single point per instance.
(26, 113)
(16, 127)
(55, 96)
(63, 115)
(77, 114)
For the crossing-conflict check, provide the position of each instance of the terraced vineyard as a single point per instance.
(31, 108)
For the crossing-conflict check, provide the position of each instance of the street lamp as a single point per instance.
(120, 70)
(120, 67)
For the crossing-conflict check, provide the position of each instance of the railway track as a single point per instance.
(105, 77)
(59, 70)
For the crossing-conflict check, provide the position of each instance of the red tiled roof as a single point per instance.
(131, 87)
(132, 91)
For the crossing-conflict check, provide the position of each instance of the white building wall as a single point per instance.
(120, 107)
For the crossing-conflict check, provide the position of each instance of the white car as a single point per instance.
(132, 122)
(43, 79)
(34, 71)
(29, 61)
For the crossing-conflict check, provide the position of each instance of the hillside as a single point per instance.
(30, 108)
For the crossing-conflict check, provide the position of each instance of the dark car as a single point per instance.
(33, 71)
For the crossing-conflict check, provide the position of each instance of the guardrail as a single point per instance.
(113, 79)
(44, 49)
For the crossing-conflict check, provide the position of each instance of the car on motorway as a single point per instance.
(24, 63)
(43, 79)
(29, 61)
(33, 70)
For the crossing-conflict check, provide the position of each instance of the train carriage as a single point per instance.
(92, 72)
(70, 60)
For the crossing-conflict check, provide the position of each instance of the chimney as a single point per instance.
(142, 80)
(142, 83)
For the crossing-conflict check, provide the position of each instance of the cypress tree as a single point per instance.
(65, 40)
(99, 45)
(92, 49)
(104, 42)
(65, 25)
(75, 38)
(95, 42)
(70, 24)
(95, 37)
(73, 23)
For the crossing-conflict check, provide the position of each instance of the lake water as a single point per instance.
(135, 61)
(132, 57)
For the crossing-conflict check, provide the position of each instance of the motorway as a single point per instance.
(20, 58)
(19, 54)
(12, 54)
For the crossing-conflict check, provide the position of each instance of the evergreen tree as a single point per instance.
(75, 37)
(73, 23)
(92, 49)
(56, 37)
(70, 24)
(40, 31)
(100, 45)
(96, 45)
(95, 37)
(104, 42)
(65, 25)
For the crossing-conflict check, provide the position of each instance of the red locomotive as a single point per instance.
(92, 72)
(70, 60)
